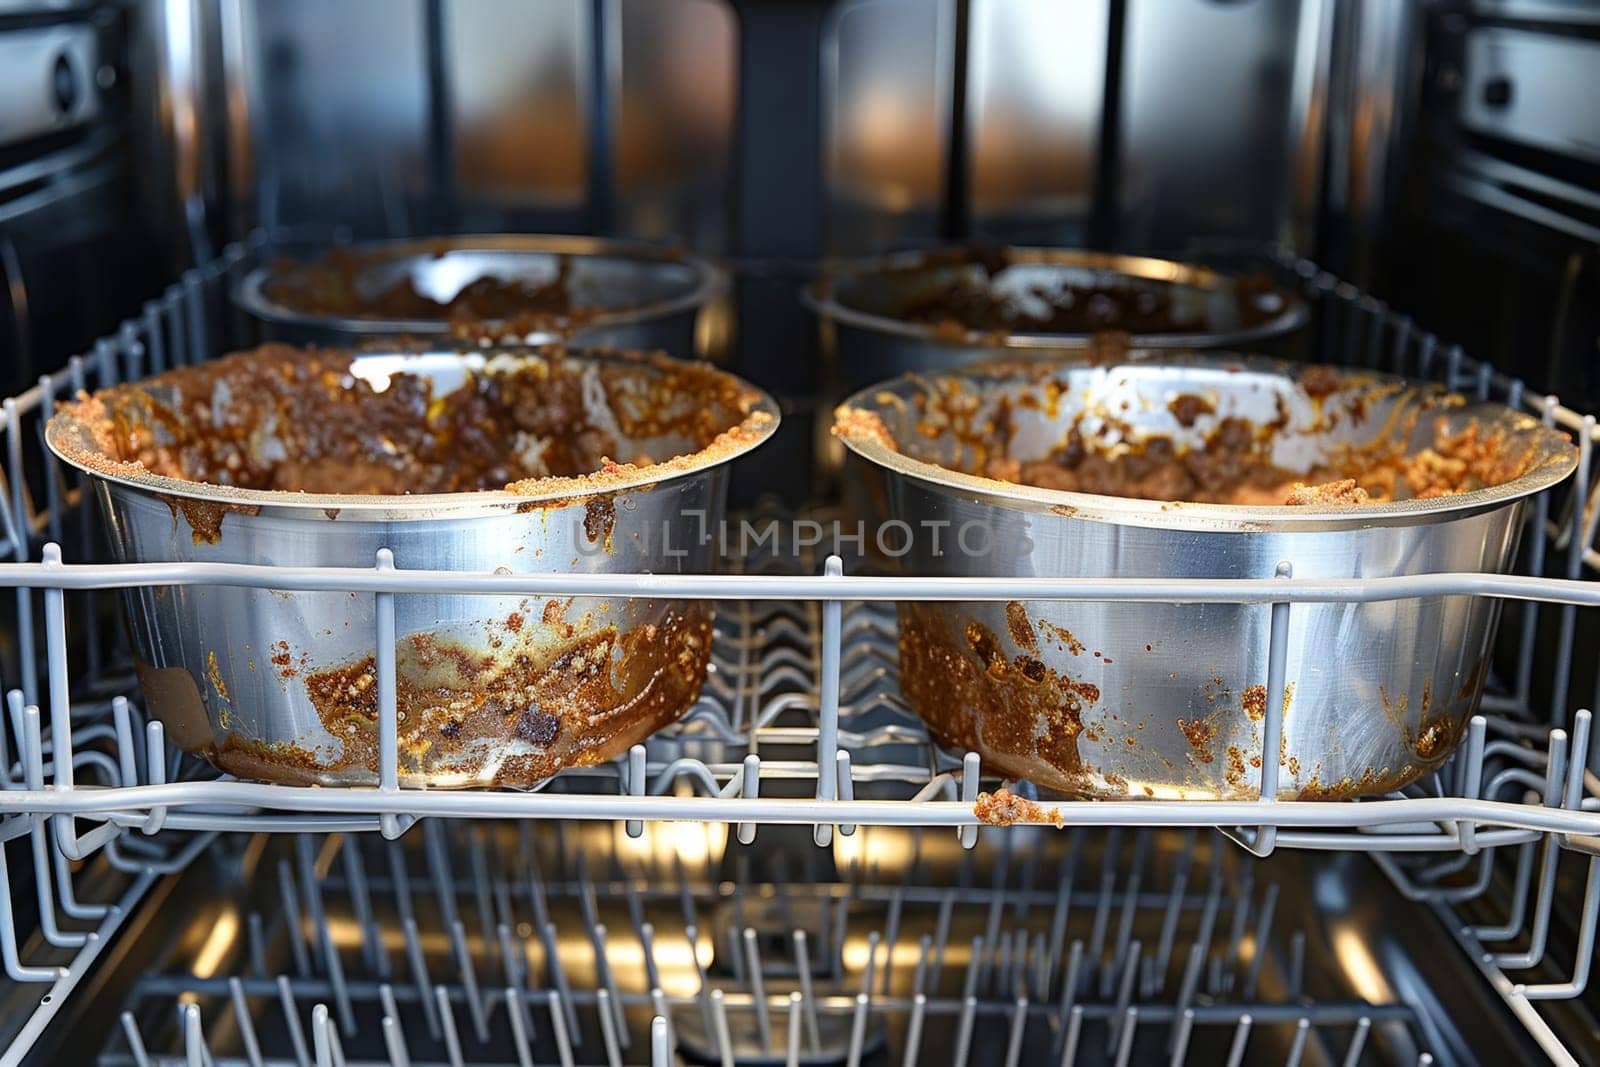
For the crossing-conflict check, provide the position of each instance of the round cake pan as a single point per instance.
(914, 311)
(492, 690)
(622, 294)
(1166, 699)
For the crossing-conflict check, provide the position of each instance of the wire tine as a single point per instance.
(469, 982)
(1241, 914)
(483, 893)
(130, 1032)
(511, 956)
(419, 975)
(1180, 1038)
(605, 1007)
(969, 1008)
(891, 935)
(919, 1008)
(660, 1044)
(521, 1026)
(758, 988)
(1069, 1043)
(858, 1031)
(1169, 927)
(703, 990)
(194, 1042)
(1191, 976)
(647, 942)
(663, 1010)
(724, 1039)
(1358, 1042)
(1019, 1026)
(1069, 981)
(295, 927)
(291, 1016)
(1263, 929)
(802, 963)
(1297, 964)
(1128, 1026)
(1241, 1037)
(246, 1025)
(1102, 914)
(394, 1043)
(919, 976)
(387, 1003)
(1130, 971)
(400, 878)
(608, 980)
(440, 869)
(969, 986)
(1302, 1030)
(1058, 920)
(867, 972)
(341, 992)
(355, 873)
(447, 1026)
(324, 1038)
(558, 976)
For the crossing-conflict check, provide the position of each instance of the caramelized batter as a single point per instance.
(331, 285)
(1131, 307)
(282, 418)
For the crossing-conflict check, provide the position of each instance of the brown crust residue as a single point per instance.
(542, 423)
(1199, 733)
(1343, 491)
(1254, 702)
(1100, 453)
(486, 308)
(1022, 715)
(862, 425)
(1005, 808)
(510, 718)
(1020, 628)
(971, 305)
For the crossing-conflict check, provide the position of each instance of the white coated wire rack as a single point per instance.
(801, 722)
(563, 944)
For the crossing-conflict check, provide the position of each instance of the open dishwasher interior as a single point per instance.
(795, 872)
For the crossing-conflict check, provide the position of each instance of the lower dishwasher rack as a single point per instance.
(559, 944)
(136, 885)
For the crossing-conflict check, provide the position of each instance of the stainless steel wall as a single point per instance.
(932, 119)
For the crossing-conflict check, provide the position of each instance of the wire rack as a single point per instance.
(564, 945)
(800, 723)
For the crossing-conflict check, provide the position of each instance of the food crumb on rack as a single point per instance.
(1005, 808)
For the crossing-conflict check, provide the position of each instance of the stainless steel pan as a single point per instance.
(642, 296)
(1166, 699)
(493, 689)
(864, 304)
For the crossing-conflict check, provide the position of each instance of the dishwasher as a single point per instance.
(834, 844)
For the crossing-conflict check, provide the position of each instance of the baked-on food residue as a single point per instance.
(1025, 716)
(971, 302)
(1098, 452)
(1005, 808)
(508, 715)
(296, 420)
(486, 308)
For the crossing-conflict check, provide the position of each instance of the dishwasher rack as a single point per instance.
(800, 723)
(555, 943)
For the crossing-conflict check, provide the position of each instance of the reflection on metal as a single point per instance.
(886, 66)
(677, 100)
(1534, 89)
(341, 136)
(1036, 81)
(518, 76)
(1205, 129)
